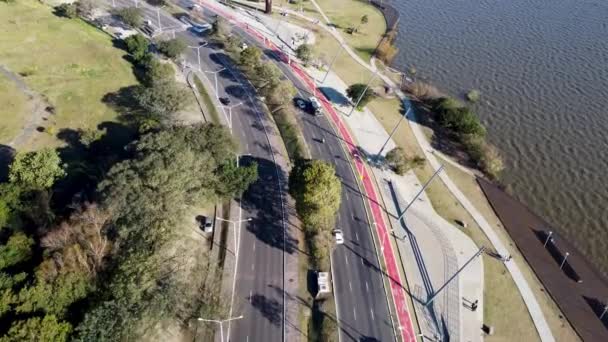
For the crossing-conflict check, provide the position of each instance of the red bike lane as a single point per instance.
(392, 271)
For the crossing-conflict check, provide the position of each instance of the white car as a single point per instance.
(315, 104)
(339, 236)
(244, 46)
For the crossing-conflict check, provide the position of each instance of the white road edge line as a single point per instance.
(237, 244)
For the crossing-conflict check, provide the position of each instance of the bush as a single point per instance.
(172, 48)
(400, 163)
(356, 91)
(85, 7)
(453, 116)
(90, 135)
(137, 46)
(130, 15)
(67, 10)
(386, 50)
(484, 155)
(473, 95)
(220, 28)
(304, 52)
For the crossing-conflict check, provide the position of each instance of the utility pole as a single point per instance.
(363, 93)
(420, 192)
(481, 250)
(393, 132)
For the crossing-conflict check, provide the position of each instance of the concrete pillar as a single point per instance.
(268, 6)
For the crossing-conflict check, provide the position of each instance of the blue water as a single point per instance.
(542, 69)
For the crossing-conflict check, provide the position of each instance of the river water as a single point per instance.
(542, 69)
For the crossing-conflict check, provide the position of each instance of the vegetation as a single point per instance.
(85, 7)
(90, 135)
(386, 50)
(304, 53)
(67, 10)
(83, 68)
(473, 95)
(250, 57)
(207, 100)
(317, 191)
(422, 91)
(401, 163)
(37, 170)
(220, 28)
(130, 15)
(137, 46)
(172, 48)
(362, 93)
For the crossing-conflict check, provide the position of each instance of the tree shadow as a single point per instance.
(7, 154)
(335, 96)
(264, 200)
(123, 101)
(270, 308)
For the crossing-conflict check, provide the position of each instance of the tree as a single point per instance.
(317, 191)
(220, 28)
(282, 94)
(397, 160)
(250, 57)
(452, 115)
(17, 249)
(49, 329)
(172, 48)
(88, 136)
(37, 170)
(304, 53)
(355, 93)
(137, 46)
(266, 76)
(163, 98)
(10, 203)
(235, 180)
(158, 72)
(130, 15)
(85, 7)
(67, 10)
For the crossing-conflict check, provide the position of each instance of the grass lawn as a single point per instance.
(13, 109)
(214, 116)
(72, 64)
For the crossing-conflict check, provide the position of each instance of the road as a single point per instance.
(259, 285)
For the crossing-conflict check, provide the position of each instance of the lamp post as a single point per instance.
(548, 238)
(420, 192)
(393, 132)
(217, 96)
(604, 312)
(564, 260)
(220, 322)
(363, 93)
(332, 63)
(198, 52)
(230, 114)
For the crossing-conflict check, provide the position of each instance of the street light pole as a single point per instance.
(604, 313)
(332, 63)
(230, 114)
(420, 192)
(481, 250)
(158, 17)
(548, 238)
(198, 52)
(393, 132)
(217, 95)
(564, 260)
(220, 322)
(363, 93)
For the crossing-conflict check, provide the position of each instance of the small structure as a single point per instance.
(323, 283)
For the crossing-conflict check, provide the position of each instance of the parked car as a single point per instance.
(200, 28)
(225, 101)
(205, 223)
(244, 46)
(300, 103)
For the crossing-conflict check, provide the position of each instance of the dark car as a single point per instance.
(225, 101)
(205, 223)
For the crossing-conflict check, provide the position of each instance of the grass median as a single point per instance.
(69, 62)
(214, 116)
(13, 109)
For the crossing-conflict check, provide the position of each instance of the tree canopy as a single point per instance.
(172, 48)
(130, 15)
(304, 53)
(250, 57)
(37, 170)
(358, 92)
(137, 46)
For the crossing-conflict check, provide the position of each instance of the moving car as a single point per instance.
(339, 236)
(225, 101)
(316, 105)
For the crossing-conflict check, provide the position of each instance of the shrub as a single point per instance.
(473, 95)
(461, 120)
(386, 50)
(130, 16)
(397, 160)
(85, 7)
(67, 10)
(172, 48)
(356, 93)
(137, 46)
(90, 135)
(304, 52)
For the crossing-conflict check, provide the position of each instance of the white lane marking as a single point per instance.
(346, 195)
(346, 258)
(253, 266)
(254, 245)
(350, 285)
(247, 338)
(362, 262)
(372, 312)
(357, 236)
(250, 295)
(355, 313)
(366, 286)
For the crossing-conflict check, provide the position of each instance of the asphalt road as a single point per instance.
(259, 285)
(363, 307)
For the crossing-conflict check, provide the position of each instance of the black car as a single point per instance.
(225, 101)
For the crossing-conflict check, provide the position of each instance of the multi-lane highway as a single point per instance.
(359, 291)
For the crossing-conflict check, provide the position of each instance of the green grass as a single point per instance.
(74, 65)
(13, 109)
(207, 100)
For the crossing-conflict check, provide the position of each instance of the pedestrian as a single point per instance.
(509, 258)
